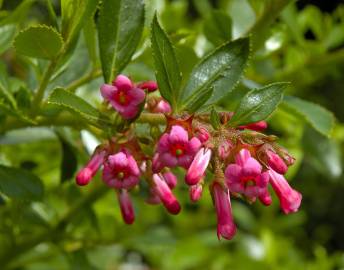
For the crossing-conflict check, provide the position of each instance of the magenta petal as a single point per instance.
(242, 157)
(198, 166)
(178, 135)
(130, 181)
(233, 173)
(107, 91)
(170, 179)
(185, 161)
(126, 206)
(163, 144)
(137, 96)
(194, 145)
(123, 83)
(251, 168)
(134, 169)
(118, 160)
(168, 160)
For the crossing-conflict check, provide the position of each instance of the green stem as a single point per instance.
(36, 103)
(83, 80)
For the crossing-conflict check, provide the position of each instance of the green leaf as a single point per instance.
(218, 27)
(20, 184)
(5, 85)
(167, 70)
(74, 14)
(196, 101)
(120, 27)
(90, 34)
(318, 117)
(39, 41)
(19, 14)
(221, 70)
(258, 104)
(7, 33)
(215, 119)
(75, 104)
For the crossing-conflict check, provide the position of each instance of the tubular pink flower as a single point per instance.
(290, 199)
(151, 86)
(162, 107)
(265, 198)
(198, 166)
(121, 170)
(124, 97)
(225, 224)
(245, 176)
(126, 206)
(85, 175)
(224, 149)
(258, 126)
(276, 163)
(195, 192)
(170, 179)
(162, 190)
(175, 148)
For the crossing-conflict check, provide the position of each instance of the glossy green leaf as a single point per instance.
(221, 70)
(167, 70)
(258, 104)
(7, 33)
(218, 27)
(196, 101)
(318, 117)
(75, 104)
(20, 184)
(39, 41)
(74, 14)
(120, 27)
(90, 34)
(215, 119)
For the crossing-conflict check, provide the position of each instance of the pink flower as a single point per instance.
(265, 198)
(162, 107)
(246, 176)
(85, 175)
(276, 163)
(124, 97)
(121, 170)
(225, 224)
(126, 206)
(195, 192)
(198, 166)
(175, 148)
(157, 164)
(162, 190)
(258, 126)
(290, 199)
(170, 179)
(224, 149)
(151, 86)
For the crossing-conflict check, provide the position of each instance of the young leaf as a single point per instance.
(7, 33)
(20, 184)
(318, 117)
(75, 104)
(258, 104)
(119, 30)
(218, 27)
(167, 69)
(215, 119)
(39, 41)
(221, 70)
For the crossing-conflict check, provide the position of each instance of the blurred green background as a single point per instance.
(297, 41)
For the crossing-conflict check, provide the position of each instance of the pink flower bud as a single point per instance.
(162, 190)
(276, 163)
(224, 149)
(225, 224)
(202, 134)
(157, 165)
(85, 175)
(198, 166)
(258, 126)
(195, 192)
(290, 199)
(170, 179)
(162, 107)
(126, 206)
(124, 97)
(265, 198)
(151, 86)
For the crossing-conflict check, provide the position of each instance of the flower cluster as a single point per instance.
(242, 162)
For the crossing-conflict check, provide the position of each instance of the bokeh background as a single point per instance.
(297, 41)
